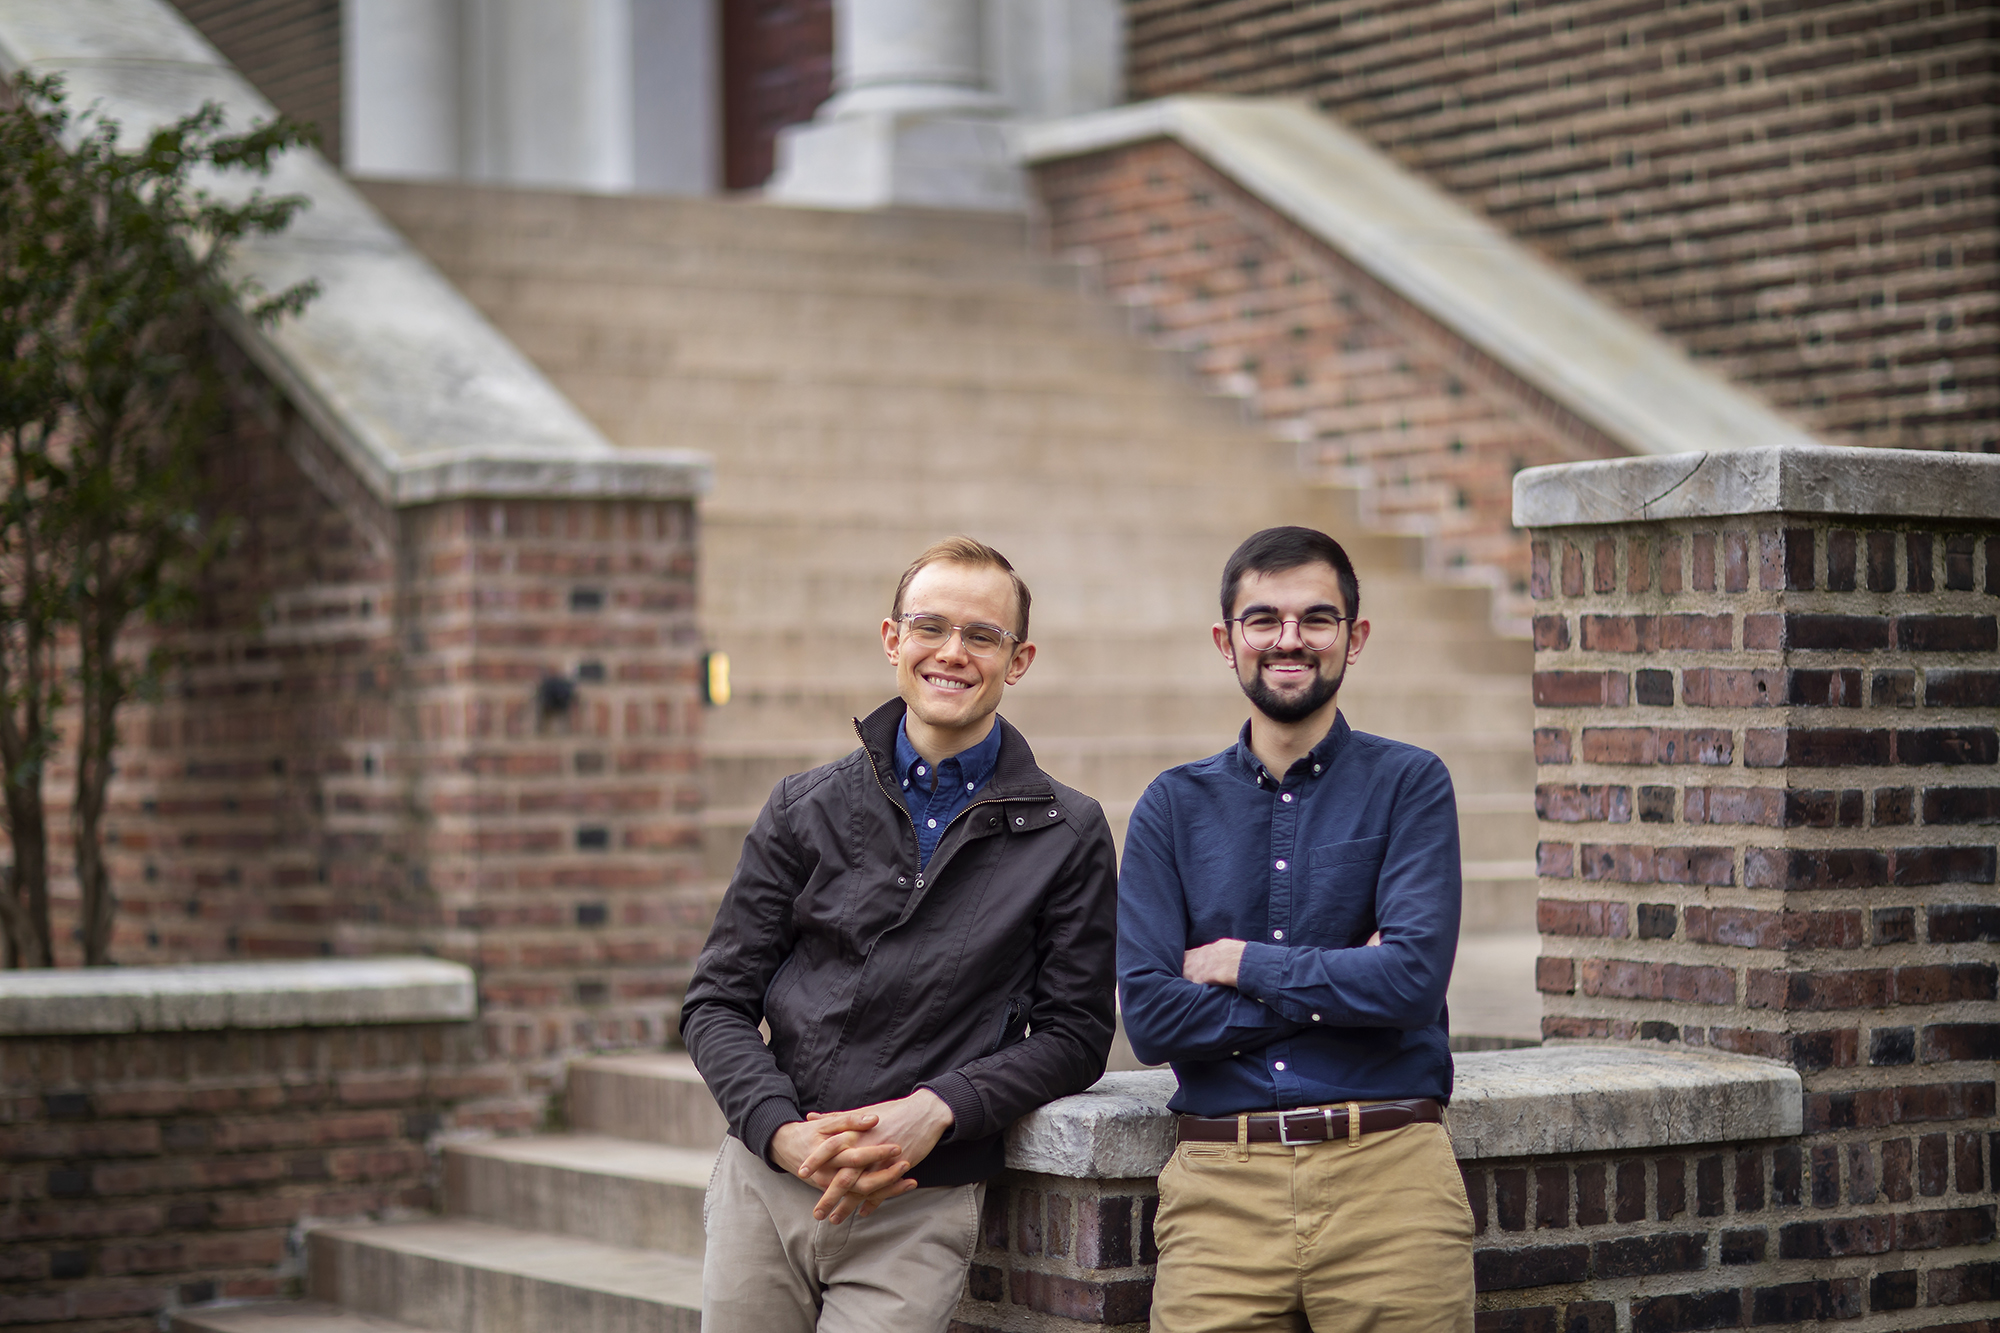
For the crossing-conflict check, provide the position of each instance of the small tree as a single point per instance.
(111, 262)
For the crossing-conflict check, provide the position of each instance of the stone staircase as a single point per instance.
(867, 383)
(597, 1228)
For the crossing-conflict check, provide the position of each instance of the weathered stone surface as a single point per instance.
(424, 399)
(320, 993)
(1536, 1101)
(1611, 371)
(1885, 483)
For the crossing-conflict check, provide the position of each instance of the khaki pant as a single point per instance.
(770, 1268)
(1372, 1235)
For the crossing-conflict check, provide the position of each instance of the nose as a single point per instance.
(1290, 628)
(954, 646)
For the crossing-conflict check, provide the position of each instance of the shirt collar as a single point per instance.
(1313, 765)
(974, 765)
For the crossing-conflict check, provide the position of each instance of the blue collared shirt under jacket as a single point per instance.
(1361, 835)
(934, 799)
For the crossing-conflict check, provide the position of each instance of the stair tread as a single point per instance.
(566, 1261)
(286, 1317)
(600, 1154)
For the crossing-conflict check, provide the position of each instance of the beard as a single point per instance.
(1288, 709)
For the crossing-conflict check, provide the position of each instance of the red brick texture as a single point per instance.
(1770, 829)
(289, 49)
(468, 728)
(1370, 387)
(143, 1172)
(1800, 193)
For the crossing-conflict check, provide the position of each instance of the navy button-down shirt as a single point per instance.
(1361, 835)
(934, 798)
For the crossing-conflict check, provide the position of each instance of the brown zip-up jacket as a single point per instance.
(986, 976)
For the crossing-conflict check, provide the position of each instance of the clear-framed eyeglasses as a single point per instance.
(1318, 630)
(933, 632)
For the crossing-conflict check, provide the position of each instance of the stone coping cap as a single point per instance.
(415, 389)
(322, 992)
(1821, 479)
(1535, 1102)
(1543, 325)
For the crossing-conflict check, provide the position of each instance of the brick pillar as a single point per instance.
(1766, 686)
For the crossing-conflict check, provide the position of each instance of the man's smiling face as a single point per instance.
(1289, 682)
(952, 694)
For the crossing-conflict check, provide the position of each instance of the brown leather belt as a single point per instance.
(1312, 1124)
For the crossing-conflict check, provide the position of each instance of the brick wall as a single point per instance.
(1768, 798)
(1801, 193)
(356, 753)
(288, 49)
(1369, 385)
(151, 1170)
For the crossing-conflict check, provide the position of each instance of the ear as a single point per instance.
(1024, 657)
(891, 639)
(1224, 645)
(1357, 638)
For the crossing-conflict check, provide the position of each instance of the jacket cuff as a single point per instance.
(968, 1117)
(1260, 973)
(763, 1121)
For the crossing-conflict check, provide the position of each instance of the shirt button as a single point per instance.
(1286, 798)
(1315, 768)
(1236, 1052)
(1277, 934)
(921, 770)
(1279, 1066)
(902, 879)
(1054, 813)
(930, 823)
(906, 782)
(1315, 1018)
(1281, 865)
(1018, 821)
(968, 786)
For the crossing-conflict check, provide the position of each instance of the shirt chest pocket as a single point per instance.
(1341, 878)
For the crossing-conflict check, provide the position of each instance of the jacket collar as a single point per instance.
(1015, 773)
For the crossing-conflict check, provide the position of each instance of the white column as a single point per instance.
(400, 88)
(911, 121)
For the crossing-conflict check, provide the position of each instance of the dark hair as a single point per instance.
(1277, 549)
(964, 551)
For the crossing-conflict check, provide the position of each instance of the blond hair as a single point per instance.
(964, 551)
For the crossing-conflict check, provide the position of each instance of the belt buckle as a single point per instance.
(1285, 1129)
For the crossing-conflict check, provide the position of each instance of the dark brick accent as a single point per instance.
(1590, 1195)
(984, 1282)
(1749, 1192)
(1691, 1310)
(1475, 1196)
(1630, 1199)
(1943, 865)
(1872, 1234)
(1837, 688)
(1898, 1175)
(1861, 1184)
(1551, 1198)
(1104, 1233)
(1028, 1222)
(1962, 805)
(1510, 1198)
(1961, 1041)
(1894, 806)
(1657, 921)
(1840, 547)
(1933, 1164)
(1805, 631)
(1669, 1188)
(1825, 1160)
(1775, 868)
(1958, 572)
(1966, 1165)
(1918, 574)
(1551, 632)
(1870, 1107)
(1653, 687)
(1892, 1046)
(1805, 1302)
(1590, 1317)
(1090, 1302)
(1945, 1228)
(1881, 562)
(1895, 1290)
(1656, 805)
(1895, 925)
(1530, 1319)
(1948, 745)
(1536, 1266)
(1149, 1245)
(1963, 1284)
(1893, 689)
(1708, 1186)
(1787, 1176)
(1960, 689)
(1947, 634)
(1743, 1246)
(1817, 747)
(1564, 803)
(1636, 1256)
(1964, 923)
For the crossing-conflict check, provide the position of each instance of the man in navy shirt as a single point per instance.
(1313, 1183)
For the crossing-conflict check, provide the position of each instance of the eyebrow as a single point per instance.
(1265, 608)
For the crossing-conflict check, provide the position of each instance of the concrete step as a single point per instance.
(285, 1317)
(655, 1097)
(459, 1276)
(618, 1191)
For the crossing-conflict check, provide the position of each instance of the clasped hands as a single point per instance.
(860, 1158)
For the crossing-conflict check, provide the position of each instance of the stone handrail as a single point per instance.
(331, 992)
(1538, 1101)
(1477, 282)
(421, 396)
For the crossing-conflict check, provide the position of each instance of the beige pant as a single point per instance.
(1368, 1236)
(771, 1269)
